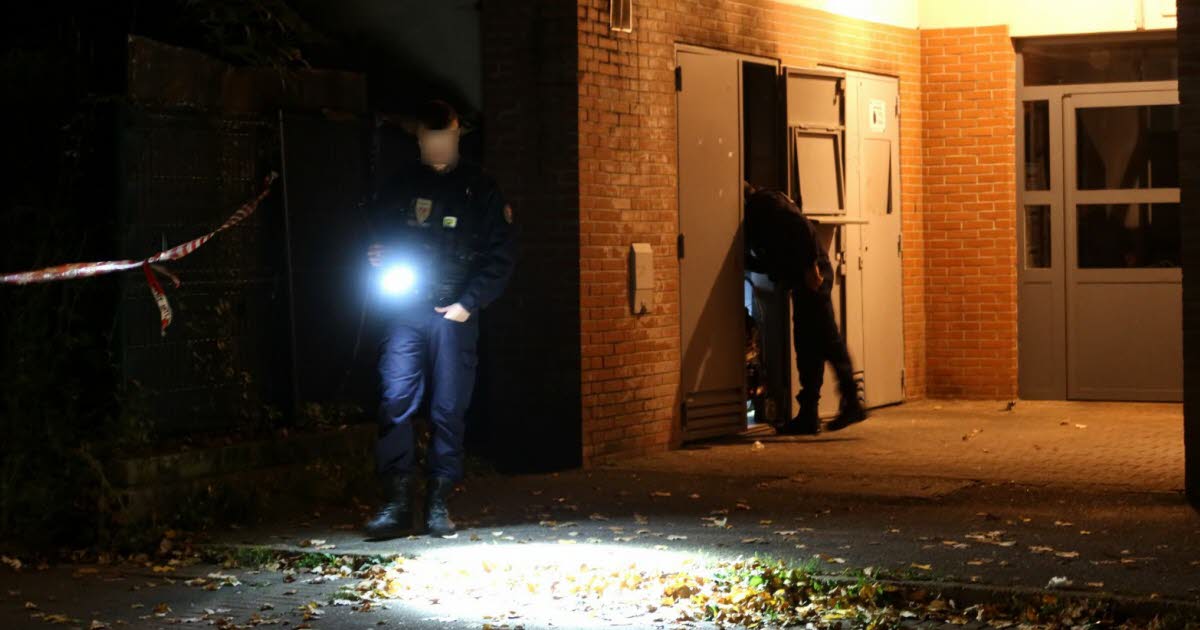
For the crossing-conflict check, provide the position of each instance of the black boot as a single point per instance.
(807, 422)
(852, 412)
(437, 514)
(395, 518)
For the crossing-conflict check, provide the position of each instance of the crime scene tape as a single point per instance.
(149, 265)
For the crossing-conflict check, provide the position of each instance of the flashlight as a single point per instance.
(397, 280)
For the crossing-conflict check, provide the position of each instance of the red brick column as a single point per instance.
(1189, 145)
(627, 194)
(968, 97)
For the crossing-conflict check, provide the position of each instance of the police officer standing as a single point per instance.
(782, 243)
(445, 250)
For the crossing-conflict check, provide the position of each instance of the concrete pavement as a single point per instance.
(957, 495)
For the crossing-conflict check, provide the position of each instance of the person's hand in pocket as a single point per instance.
(455, 312)
(813, 278)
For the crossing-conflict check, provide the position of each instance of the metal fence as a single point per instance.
(181, 174)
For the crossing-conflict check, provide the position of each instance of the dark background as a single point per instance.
(270, 330)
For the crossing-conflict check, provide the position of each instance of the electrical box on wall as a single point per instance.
(641, 278)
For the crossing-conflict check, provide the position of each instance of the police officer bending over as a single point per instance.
(445, 249)
(782, 243)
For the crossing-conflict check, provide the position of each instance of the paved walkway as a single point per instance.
(1133, 446)
(957, 495)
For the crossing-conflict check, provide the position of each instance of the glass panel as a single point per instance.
(1127, 147)
(1037, 237)
(1100, 62)
(1128, 235)
(1037, 145)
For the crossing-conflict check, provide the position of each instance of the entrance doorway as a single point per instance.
(1100, 298)
(830, 139)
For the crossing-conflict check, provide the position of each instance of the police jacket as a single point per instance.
(780, 241)
(455, 227)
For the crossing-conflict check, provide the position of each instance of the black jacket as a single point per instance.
(456, 225)
(780, 241)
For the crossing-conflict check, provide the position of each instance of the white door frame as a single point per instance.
(1053, 280)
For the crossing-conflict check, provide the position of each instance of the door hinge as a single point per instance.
(678, 78)
(900, 245)
(860, 263)
(903, 377)
(679, 246)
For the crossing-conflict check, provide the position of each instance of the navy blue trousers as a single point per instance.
(424, 352)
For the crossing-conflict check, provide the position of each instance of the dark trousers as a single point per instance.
(817, 340)
(423, 351)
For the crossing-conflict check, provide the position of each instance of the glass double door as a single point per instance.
(1103, 320)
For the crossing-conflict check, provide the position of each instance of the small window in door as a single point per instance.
(1128, 235)
(818, 175)
(1037, 145)
(1127, 147)
(1038, 250)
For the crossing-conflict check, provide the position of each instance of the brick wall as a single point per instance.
(1189, 143)
(530, 349)
(968, 100)
(628, 189)
(612, 181)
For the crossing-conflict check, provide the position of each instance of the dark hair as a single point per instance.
(437, 115)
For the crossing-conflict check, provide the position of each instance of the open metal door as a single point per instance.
(712, 316)
(816, 111)
(873, 129)
(1124, 282)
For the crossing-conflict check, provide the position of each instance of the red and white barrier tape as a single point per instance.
(149, 265)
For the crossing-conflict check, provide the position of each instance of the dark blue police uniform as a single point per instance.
(455, 229)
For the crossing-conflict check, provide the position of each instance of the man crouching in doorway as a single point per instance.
(782, 243)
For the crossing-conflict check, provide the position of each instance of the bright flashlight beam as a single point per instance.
(577, 586)
(398, 280)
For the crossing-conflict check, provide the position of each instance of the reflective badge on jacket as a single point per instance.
(450, 222)
(422, 209)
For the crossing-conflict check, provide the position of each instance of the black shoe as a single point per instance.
(852, 414)
(437, 514)
(805, 423)
(395, 518)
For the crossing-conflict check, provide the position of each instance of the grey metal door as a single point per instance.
(816, 106)
(1124, 293)
(874, 150)
(712, 316)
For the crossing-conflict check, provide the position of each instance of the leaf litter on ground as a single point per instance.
(745, 592)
